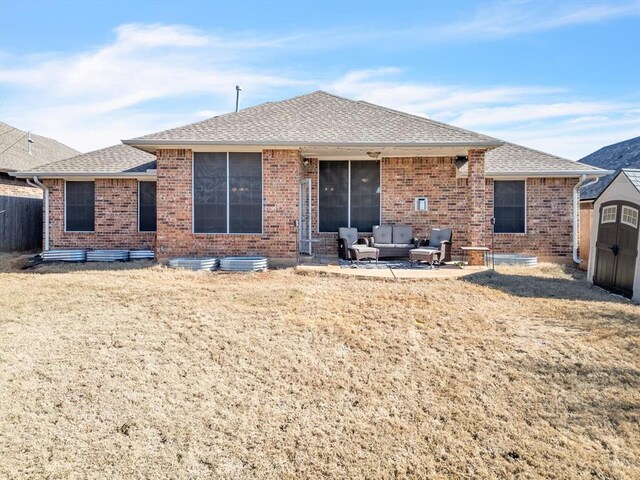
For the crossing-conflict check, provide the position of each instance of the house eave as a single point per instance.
(544, 174)
(149, 174)
(141, 143)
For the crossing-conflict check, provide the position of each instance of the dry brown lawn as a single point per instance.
(146, 372)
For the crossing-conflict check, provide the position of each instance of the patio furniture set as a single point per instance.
(395, 241)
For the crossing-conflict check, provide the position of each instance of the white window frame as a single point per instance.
(348, 192)
(605, 212)
(193, 203)
(526, 204)
(65, 207)
(147, 231)
(625, 209)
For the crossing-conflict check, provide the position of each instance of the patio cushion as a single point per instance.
(349, 234)
(438, 235)
(404, 245)
(402, 234)
(383, 245)
(382, 234)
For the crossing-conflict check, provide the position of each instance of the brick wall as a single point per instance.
(116, 218)
(279, 239)
(17, 187)
(549, 210)
(403, 179)
(549, 220)
(549, 206)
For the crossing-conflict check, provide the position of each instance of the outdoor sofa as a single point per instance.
(393, 240)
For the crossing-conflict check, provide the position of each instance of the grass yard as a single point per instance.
(148, 372)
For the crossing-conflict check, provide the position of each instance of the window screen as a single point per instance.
(365, 195)
(509, 206)
(147, 206)
(210, 193)
(80, 206)
(333, 195)
(227, 186)
(245, 193)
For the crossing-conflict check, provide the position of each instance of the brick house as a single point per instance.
(20, 200)
(267, 178)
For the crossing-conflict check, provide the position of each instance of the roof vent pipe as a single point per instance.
(238, 90)
(29, 142)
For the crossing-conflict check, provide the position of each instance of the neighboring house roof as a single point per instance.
(514, 160)
(612, 157)
(317, 118)
(14, 150)
(118, 160)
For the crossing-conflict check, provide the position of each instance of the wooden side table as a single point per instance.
(484, 250)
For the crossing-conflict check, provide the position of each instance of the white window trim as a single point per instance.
(615, 215)
(193, 203)
(622, 219)
(147, 231)
(94, 208)
(526, 204)
(348, 192)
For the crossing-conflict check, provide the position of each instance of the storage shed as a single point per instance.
(614, 262)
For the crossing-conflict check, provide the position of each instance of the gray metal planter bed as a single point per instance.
(244, 264)
(107, 255)
(198, 264)
(64, 255)
(141, 255)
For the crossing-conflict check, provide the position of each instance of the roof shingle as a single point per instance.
(116, 159)
(315, 119)
(14, 150)
(512, 159)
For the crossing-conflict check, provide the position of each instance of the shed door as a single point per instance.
(617, 247)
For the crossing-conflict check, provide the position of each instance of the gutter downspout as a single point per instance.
(45, 189)
(576, 210)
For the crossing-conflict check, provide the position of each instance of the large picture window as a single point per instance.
(509, 206)
(349, 195)
(147, 206)
(79, 206)
(227, 192)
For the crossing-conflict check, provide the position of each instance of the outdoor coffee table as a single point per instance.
(429, 255)
(362, 252)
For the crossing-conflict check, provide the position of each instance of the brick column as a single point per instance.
(476, 192)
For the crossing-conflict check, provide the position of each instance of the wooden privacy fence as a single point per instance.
(20, 224)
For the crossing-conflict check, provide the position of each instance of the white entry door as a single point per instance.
(304, 225)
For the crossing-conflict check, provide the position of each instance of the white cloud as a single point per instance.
(152, 77)
(505, 19)
(77, 98)
(548, 119)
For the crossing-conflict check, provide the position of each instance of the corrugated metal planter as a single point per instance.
(515, 259)
(141, 255)
(194, 263)
(107, 255)
(64, 255)
(243, 264)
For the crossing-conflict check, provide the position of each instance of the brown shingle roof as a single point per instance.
(14, 150)
(317, 118)
(512, 159)
(117, 159)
